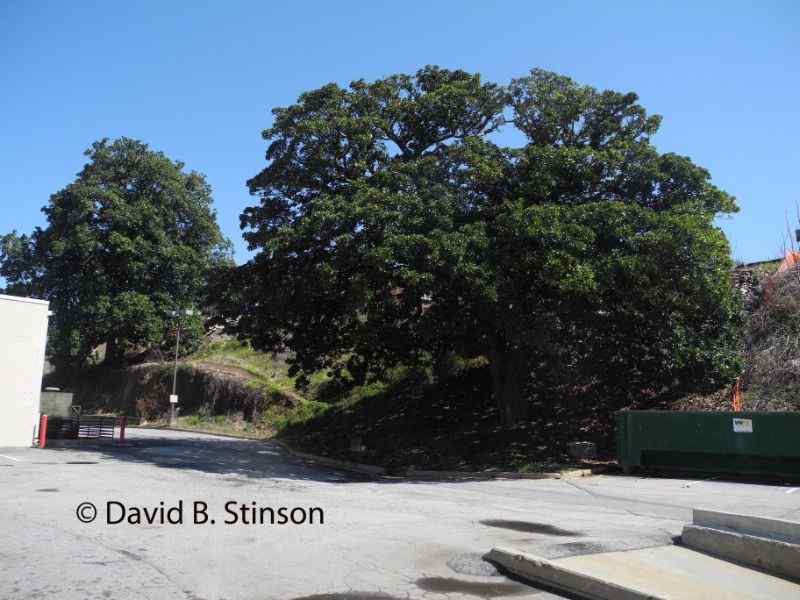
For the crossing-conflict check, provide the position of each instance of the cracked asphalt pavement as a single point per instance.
(381, 539)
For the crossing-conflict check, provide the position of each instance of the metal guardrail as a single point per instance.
(90, 426)
(81, 427)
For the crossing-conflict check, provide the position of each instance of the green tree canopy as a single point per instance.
(391, 227)
(128, 242)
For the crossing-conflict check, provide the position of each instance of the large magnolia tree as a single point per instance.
(392, 228)
(126, 244)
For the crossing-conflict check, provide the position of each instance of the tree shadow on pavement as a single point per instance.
(215, 455)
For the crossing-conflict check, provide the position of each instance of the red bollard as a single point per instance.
(123, 421)
(42, 431)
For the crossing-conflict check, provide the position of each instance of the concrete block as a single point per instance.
(775, 556)
(356, 445)
(540, 570)
(778, 529)
(55, 404)
(582, 450)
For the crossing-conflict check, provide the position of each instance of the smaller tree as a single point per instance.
(132, 239)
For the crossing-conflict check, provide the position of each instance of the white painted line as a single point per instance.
(10, 458)
(792, 491)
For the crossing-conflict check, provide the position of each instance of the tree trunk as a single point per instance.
(508, 382)
(113, 353)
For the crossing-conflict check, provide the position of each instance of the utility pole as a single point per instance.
(173, 399)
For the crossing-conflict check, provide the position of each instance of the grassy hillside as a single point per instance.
(406, 420)
(264, 370)
(266, 373)
(412, 422)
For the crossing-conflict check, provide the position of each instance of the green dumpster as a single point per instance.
(751, 443)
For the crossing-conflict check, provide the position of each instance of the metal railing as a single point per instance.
(81, 427)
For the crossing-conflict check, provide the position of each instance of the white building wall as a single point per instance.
(23, 337)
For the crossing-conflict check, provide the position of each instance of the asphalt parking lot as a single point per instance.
(389, 538)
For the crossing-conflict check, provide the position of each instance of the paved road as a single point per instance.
(380, 539)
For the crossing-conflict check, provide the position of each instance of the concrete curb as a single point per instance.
(487, 476)
(202, 432)
(774, 556)
(428, 475)
(376, 471)
(767, 527)
(346, 465)
(539, 570)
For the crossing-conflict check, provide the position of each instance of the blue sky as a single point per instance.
(197, 80)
